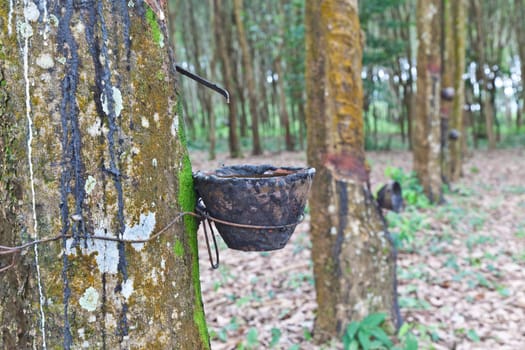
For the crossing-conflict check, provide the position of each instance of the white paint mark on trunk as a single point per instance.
(26, 36)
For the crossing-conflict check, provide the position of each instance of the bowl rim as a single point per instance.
(259, 171)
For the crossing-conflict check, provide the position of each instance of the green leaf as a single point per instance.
(351, 330)
(411, 342)
(472, 335)
(380, 335)
(354, 345)
(251, 337)
(276, 335)
(373, 320)
(376, 344)
(403, 330)
(364, 339)
(307, 334)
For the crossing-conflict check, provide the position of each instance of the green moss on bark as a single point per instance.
(151, 18)
(187, 200)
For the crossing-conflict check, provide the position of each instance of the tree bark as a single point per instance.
(203, 94)
(448, 72)
(456, 118)
(486, 106)
(283, 110)
(520, 34)
(249, 76)
(227, 71)
(92, 144)
(353, 255)
(427, 129)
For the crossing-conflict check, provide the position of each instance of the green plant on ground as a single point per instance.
(252, 341)
(404, 227)
(368, 334)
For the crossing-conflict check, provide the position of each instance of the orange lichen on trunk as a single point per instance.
(354, 260)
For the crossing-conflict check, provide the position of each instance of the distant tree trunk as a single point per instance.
(353, 255)
(227, 71)
(427, 131)
(402, 14)
(456, 118)
(283, 110)
(447, 86)
(188, 101)
(263, 84)
(203, 94)
(520, 34)
(239, 91)
(92, 144)
(249, 77)
(487, 109)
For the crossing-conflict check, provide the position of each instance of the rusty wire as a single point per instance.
(202, 214)
(16, 250)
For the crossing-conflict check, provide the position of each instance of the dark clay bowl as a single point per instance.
(260, 195)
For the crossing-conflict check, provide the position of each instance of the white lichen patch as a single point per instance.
(90, 184)
(97, 129)
(10, 18)
(24, 30)
(154, 276)
(107, 254)
(331, 209)
(143, 230)
(89, 299)
(53, 20)
(31, 12)
(144, 122)
(333, 231)
(127, 288)
(154, 162)
(175, 126)
(117, 101)
(45, 61)
(80, 28)
(354, 225)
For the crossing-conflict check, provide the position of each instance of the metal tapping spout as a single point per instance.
(204, 82)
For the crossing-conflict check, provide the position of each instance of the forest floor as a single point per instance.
(461, 268)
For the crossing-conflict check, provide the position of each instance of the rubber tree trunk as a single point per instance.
(354, 259)
(520, 34)
(447, 82)
(456, 117)
(92, 144)
(227, 74)
(283, 110)
(427, 124)
(487, 109)
(249, 76)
